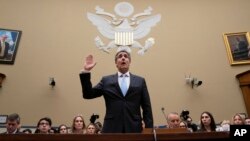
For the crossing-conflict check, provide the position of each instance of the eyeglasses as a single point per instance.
(43, 123)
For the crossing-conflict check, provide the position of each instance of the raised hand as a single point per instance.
(89, 63)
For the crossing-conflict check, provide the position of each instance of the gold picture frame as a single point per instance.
(238, 48)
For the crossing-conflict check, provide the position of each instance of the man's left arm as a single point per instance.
(146, 107)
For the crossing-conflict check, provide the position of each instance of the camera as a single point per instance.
(93, 118)
(184, 115)
(52, 82)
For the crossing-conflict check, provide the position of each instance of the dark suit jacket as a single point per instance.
(5, 55)
(17, 132)
(123, 113)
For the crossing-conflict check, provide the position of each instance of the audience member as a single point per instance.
(173, 120)
(13, 124)
(78, 125)
(207, 122)
(224, 126)
(191, 125)
(53, 130)
(238, 119)
(44, 126)
(247, 121)
(91, 129)
(27, 131)
(98, 127)
(63, 129)
(183, 124)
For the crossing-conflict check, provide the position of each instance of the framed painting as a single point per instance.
(9, 40)
(237, 46)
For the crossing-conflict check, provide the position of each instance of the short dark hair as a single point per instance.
(14, 117)
(27, 130)
(46, 119)
(116, 55)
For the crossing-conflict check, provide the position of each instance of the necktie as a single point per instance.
(124, 86)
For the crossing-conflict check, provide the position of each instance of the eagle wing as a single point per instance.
(145, 25)
(103, 25)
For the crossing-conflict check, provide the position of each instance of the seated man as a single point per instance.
(173, 120)
(44, 126)
(13, 124)
(173, 125)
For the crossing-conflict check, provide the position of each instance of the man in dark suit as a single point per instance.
(4, 47)
(123, 107)
(13, 124)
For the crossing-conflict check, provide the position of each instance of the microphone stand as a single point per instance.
(154, 131)
(163, 109)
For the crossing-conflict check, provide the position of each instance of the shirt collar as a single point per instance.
(127, 74)
(12, 132)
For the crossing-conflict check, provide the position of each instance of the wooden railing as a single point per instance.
(118, 137)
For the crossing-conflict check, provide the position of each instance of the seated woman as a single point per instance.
(238, 119)
(183, 124)
(78, 125)
(62, 129)
(207, 123)
(91, 129)
(224, 126)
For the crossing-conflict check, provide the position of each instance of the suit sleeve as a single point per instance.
(87, 91)
(146, 107)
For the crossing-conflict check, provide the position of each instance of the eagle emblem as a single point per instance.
(124, 31)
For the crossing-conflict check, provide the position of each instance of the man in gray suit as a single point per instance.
(123, 107)
(13, 124)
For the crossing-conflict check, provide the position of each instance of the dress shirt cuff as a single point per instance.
(84, 71)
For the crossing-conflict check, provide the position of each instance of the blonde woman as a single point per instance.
(224, 126)
(78, 125)
(238, 119)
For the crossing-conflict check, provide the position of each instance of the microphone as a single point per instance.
(163, 112)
